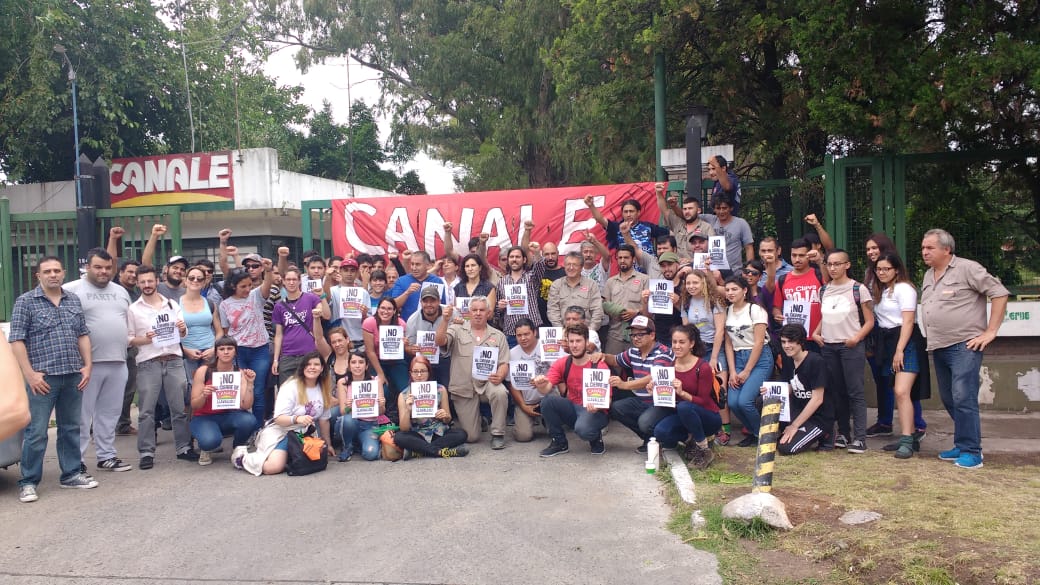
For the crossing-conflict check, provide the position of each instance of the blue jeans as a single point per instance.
(558, 412)
(257, 359)
(209, 429)
(957, 375)
(640, 417)
(689, 420)
(66, 401)
(742, 398)
(351, 428)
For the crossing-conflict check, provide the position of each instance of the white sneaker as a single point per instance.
(205, 458)
(27, 493)
(81, 481)
(237, 454)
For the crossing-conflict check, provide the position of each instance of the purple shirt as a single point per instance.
(296, 319)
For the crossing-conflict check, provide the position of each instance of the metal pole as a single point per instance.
(75, 130)
(660, 128)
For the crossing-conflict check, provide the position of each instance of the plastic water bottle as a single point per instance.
(653, 455)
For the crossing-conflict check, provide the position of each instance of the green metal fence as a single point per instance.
(25, 238)
(316, 228)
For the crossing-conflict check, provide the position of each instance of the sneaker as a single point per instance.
(950, 454)
(857, 447)
(27, 493)
(879, 430)
(498, 442)
(147, 462)
(166, 425)
(641, 449)
(597, 447)
(748, 441)
(129, 431)
(83, 470)
(722, 438)
(409, 454)
(80, 482)
(699, 457)
(915, 444)
(205, 458)
(840, 442)
(969, 461)
(344, 456)
(189, 455)
(920, 434)
(113, 464)
(555, 448)
(905, 447)
(460, 451)
(238, 454)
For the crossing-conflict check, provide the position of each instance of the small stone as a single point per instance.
(761, 505)
(697, 521)
(854, 517)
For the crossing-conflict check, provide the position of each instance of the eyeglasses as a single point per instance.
(196, 279)
(208, 272)
(836, 264)
(752, 273)
(636, 334)
(884, 269)
(250, 266)
(420, 372)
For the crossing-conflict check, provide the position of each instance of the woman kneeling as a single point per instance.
(209, 423)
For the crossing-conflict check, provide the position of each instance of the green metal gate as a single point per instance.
(25, 238)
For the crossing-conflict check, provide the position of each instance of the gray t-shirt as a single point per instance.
(169, 292)
(737, 233)
(105, 312)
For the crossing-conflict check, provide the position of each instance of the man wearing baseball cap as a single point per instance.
(670, 269)
(346, 298)
(637, 412)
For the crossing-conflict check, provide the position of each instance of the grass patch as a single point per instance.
(940, 524)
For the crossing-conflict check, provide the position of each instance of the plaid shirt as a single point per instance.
(533, 279)
(50, 333)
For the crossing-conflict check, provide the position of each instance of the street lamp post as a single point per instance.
(696, 132)
(60, 49)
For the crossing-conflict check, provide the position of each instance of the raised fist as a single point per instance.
(116, 232)
(158, 229)
(224, 234)
(283, 251)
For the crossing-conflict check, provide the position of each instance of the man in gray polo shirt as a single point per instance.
(953, 305)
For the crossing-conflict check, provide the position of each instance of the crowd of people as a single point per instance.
(299, 343)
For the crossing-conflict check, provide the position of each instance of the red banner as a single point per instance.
(416, 222)
(203, 177)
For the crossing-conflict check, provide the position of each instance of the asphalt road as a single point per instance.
(495, 517)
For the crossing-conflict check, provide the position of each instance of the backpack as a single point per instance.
(718, 389)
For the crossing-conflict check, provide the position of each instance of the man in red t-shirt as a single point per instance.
(567, 410)
(801, 284)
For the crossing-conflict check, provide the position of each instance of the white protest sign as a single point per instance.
(521, 373)
(427, 342)
(797, 313)
(228, 390)
(312, 285)
(717, 251)
(462, 307)
(781, 390)
(516, 299)
(595, 388)
(698, 260)
(424, 399)
(485, 362)
(391, 342)
(660, 301)
(166, 331)
(364, 399)
(550, 343)
(664, 392)
(350, 298)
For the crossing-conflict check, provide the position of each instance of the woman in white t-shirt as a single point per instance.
(303, 400)
(749, 360)
(898, 350)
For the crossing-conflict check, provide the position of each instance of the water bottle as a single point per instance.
(653, 455)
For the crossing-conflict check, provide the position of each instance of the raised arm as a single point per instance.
(825, 238)
(149, 248)
(449, 243)
(115, 241)
(222, 252)
(590, 202)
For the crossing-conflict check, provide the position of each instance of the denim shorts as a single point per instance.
(282, 445)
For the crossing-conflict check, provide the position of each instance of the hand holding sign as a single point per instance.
(717, 252)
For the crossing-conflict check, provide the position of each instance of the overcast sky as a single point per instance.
(329, 82)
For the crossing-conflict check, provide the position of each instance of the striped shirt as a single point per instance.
(533, 279)
(640, 365)
(50, 332)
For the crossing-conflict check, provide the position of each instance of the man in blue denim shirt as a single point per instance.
(49, 340)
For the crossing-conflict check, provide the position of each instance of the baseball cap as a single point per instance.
(668, 257)
(349, 262)
(698, 234)
(177, 259)
(430, 292)
(643, 322)
(252, 258)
